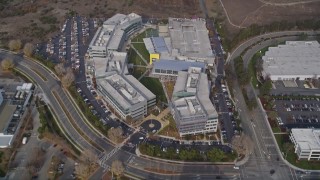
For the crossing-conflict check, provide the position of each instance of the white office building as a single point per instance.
(292, 60)
(113, 33)
(191, 106)
(126, 95)
(306, 143)
(189, 40)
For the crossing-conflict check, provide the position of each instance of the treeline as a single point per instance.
(254, 30)
(242, 75)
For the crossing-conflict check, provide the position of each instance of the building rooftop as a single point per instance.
(6, 113)
(188, 107)
(140, 88)
(113, 63)
(307, 138)
(125, 94)
(193, 85)
(293, 58)
(110, 34)
(155, 45)
(5, 140)
(126, 90)
(176, 65)
(190, 37)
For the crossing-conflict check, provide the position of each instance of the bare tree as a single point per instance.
(82, 171)
(15, 45)
(60, 69)
(88, 161)
(28, 49)
(7, 64)
(117, 168)
(115, 134)
(36, 160)
(88, 157)
(242, 144)
(68, 79)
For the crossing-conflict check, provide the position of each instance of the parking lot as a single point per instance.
(227, 129)
(295, 111)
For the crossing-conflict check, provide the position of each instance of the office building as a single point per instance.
(192, 109)
(127, 95)
(172, 67)
(190, 40)
(113, 63)
(306, 143)
(113, 33)
(292, 60)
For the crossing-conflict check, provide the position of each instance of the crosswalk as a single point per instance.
(103, 158)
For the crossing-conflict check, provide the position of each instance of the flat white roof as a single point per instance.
(121, 90)
(110, 34)
(193, 85)
(308, 139)
(114, 62)
(298, 58)
(190, 37)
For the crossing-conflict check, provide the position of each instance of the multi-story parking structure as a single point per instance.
(126, 95)
(113, 33)
(192, 109)
(306, 143)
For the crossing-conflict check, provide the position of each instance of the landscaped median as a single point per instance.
(55, 123)
(187, 154)
(85, 112)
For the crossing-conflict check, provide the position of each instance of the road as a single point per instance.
(52, 85)
(266, 155)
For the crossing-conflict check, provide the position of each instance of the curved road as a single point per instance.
(266, 155)
(257, 167)
(139, 166)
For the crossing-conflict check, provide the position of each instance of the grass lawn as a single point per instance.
(141, 48)
(170, 129)
(155, 86)
(252, 66)
(138, 71)
(134, 58)
(147, 33)
(276, 129)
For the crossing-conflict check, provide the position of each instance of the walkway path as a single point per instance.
(144, 60)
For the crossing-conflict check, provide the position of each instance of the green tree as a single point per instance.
(215, 155)
(183, 154)
(266, 86)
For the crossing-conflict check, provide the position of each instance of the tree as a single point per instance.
(28, 49)
(266, 86)
(115, 134)
(215, 155)
(7, 64)
(60, 69)
(117, 168)
(82, 171)
(88, 161)
(15, 45)
(242, 144)
(259, 65)
(68, 79)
